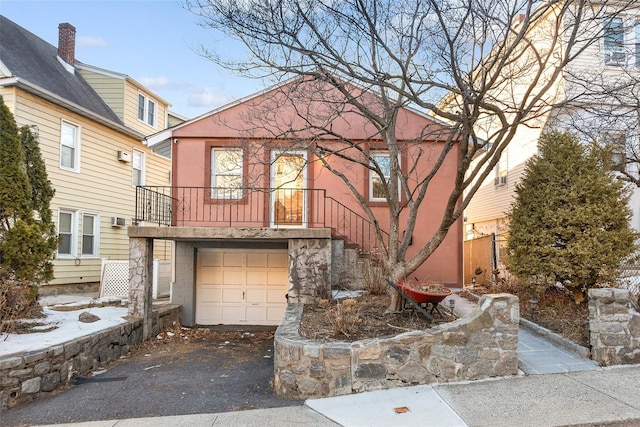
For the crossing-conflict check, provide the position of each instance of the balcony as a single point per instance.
(279, 208)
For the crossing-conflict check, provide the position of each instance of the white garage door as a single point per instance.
(241, 286)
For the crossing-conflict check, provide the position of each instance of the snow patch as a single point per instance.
(67, 328)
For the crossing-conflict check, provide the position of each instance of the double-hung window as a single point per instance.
(146, 110)
(137, 168)
(502, 171)
(226, 173)
(67, 233)
(613, 39)
(90, 234)
(70, 146)
(378, 183)
(616, 142)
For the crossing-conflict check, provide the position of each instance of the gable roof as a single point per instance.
(229, 112)
(34, 64)
(120, 76)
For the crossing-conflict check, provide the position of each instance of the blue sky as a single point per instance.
(152, 41)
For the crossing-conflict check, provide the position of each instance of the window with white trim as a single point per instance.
(142, 106)
(137, 168)
(226, 173)
(67, 237)
(378, 183)
(90, 234)
(617, 143)
(613, 40)
(69, 146)
(146, 110)
(502, 170)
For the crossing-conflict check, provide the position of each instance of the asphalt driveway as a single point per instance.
(187, 372)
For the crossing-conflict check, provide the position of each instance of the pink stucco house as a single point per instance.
(258, 217)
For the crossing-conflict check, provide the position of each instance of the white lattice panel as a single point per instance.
(115, 279)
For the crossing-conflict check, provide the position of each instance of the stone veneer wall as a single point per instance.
(480, 345)
(309, 270)
(614, 324)
(25, 377)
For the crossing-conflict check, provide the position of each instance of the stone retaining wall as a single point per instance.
(27, 376)
(480, 345)
(614, 323)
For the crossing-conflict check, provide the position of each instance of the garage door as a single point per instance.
(241, 286)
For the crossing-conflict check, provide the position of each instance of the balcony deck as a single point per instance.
(228, 233)
(188, 213)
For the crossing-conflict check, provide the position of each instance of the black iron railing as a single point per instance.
(253, 207)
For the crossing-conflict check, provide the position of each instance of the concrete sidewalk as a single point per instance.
(579, 398)
(561, 388)
(587, 398)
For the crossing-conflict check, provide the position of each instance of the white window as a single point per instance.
(151, 113)
(226, 173)
(502, 171)
(146, 110)
(377, 183)
(142, 107)
(90, 234)
(70, 146)
(616, 141)
(137, 168)
(613, 39)
(67, 238)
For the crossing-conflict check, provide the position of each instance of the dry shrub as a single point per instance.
(18, 300)
(554, 307)
(345, 316)
(373, 276)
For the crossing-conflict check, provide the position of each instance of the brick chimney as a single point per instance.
(67, 42)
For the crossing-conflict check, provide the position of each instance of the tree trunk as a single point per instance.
(395, 305)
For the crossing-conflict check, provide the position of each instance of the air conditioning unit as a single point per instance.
(116, 221)
(618, 58)
(500, 181)
(124, 156)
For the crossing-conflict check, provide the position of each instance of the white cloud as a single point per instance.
(206, 98)
(160, 82)
(91, 41)
(163, 82)
(185, 96)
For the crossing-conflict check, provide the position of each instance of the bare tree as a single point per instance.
(483, 67)
(611, 123)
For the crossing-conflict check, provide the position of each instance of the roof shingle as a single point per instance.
(35, 61)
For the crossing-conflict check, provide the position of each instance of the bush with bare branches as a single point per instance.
(18, 300)
(345, 316)
(373, 276)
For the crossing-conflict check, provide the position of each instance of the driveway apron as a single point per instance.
(231, 371)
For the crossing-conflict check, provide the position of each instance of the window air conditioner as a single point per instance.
(118, 222)
(500, 181)
(123, 156)
(615, 58)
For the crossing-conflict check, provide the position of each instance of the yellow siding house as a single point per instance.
(91, 125)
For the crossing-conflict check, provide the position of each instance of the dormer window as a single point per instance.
(146, 110)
